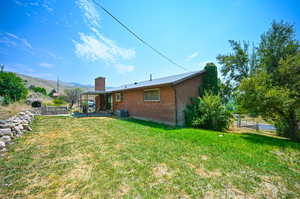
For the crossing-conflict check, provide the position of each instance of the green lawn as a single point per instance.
(109, 158)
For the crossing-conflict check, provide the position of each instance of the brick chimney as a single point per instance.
(100, 84)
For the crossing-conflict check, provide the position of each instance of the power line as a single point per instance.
(138, 37)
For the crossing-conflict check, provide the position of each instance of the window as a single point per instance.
(118, 97)
(152, 95)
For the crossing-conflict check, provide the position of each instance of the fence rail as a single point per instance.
(54, 110)
(251, 123)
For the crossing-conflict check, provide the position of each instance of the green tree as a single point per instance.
(12, 87)
(277, 43)
(238, 64)
(38, 89)
(210, 80)
(273, 92)
(274, 103)
(208, 112)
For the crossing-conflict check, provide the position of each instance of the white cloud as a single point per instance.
(124, 68)
(50, 54)
(46, 65)
(96, 46)
(192, 56)
(35, 3)
(116, 50)
(89, 11)
(92, 49)
(13, 40)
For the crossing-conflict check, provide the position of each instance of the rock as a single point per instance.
(2, 145)
(14, 127)
(21, 113)
(6, 139)
(19, 135)
(6, 125)
(6, 131)
(20, 127)
(2, 121)
(4, 150)
(17, 130)
(25, 126)
(16, 121)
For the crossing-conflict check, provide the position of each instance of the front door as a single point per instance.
(109, 100)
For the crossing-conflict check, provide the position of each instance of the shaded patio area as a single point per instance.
(95, 103)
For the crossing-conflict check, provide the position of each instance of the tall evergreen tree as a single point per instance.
(210, 80)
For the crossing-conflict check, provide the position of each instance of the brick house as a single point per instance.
(160, 100)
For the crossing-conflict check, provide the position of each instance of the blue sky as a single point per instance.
(77, 41)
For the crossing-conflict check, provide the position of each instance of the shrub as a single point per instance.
(208, 112)
(38, 89)
(58, 102)
(85, 107)
(12, 87)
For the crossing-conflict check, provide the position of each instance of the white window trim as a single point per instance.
(120, 99)
(153, 89)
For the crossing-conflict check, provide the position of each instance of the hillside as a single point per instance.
(50, 84)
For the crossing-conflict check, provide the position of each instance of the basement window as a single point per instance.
(152, 95)
(118, 97)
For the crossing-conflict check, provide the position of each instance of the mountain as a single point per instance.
(50, 84)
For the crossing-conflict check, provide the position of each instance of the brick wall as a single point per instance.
(162, 111)
(100, 83)
(184, 91)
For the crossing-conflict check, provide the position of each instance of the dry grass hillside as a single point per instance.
(13, 109)
(50, 84)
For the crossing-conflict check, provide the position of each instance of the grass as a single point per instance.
(12, 109)
(67, 157)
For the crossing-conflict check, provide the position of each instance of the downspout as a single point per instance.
(176, 120)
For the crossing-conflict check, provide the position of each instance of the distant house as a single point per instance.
(56, 94)
(161, 100)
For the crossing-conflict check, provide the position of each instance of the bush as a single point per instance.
(58, 102)
(38, 89)
(12, 87)
(208, 112)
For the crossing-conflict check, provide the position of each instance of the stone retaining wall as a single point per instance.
(14, 127)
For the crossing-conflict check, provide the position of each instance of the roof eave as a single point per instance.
(189, 77)
(141, 87)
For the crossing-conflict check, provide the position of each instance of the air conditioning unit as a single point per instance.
(122, 113)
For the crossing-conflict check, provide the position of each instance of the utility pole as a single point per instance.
(57, 85)
(2, 67)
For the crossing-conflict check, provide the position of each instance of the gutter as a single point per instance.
(176, 119)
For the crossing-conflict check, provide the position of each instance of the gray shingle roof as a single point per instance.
(174, 79)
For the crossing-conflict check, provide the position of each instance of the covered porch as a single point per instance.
(96, 102)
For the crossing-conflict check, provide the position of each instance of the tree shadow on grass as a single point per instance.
(249, 137)
(151, 124)
(268, 140)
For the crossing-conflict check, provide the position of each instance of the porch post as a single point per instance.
(87, 113)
